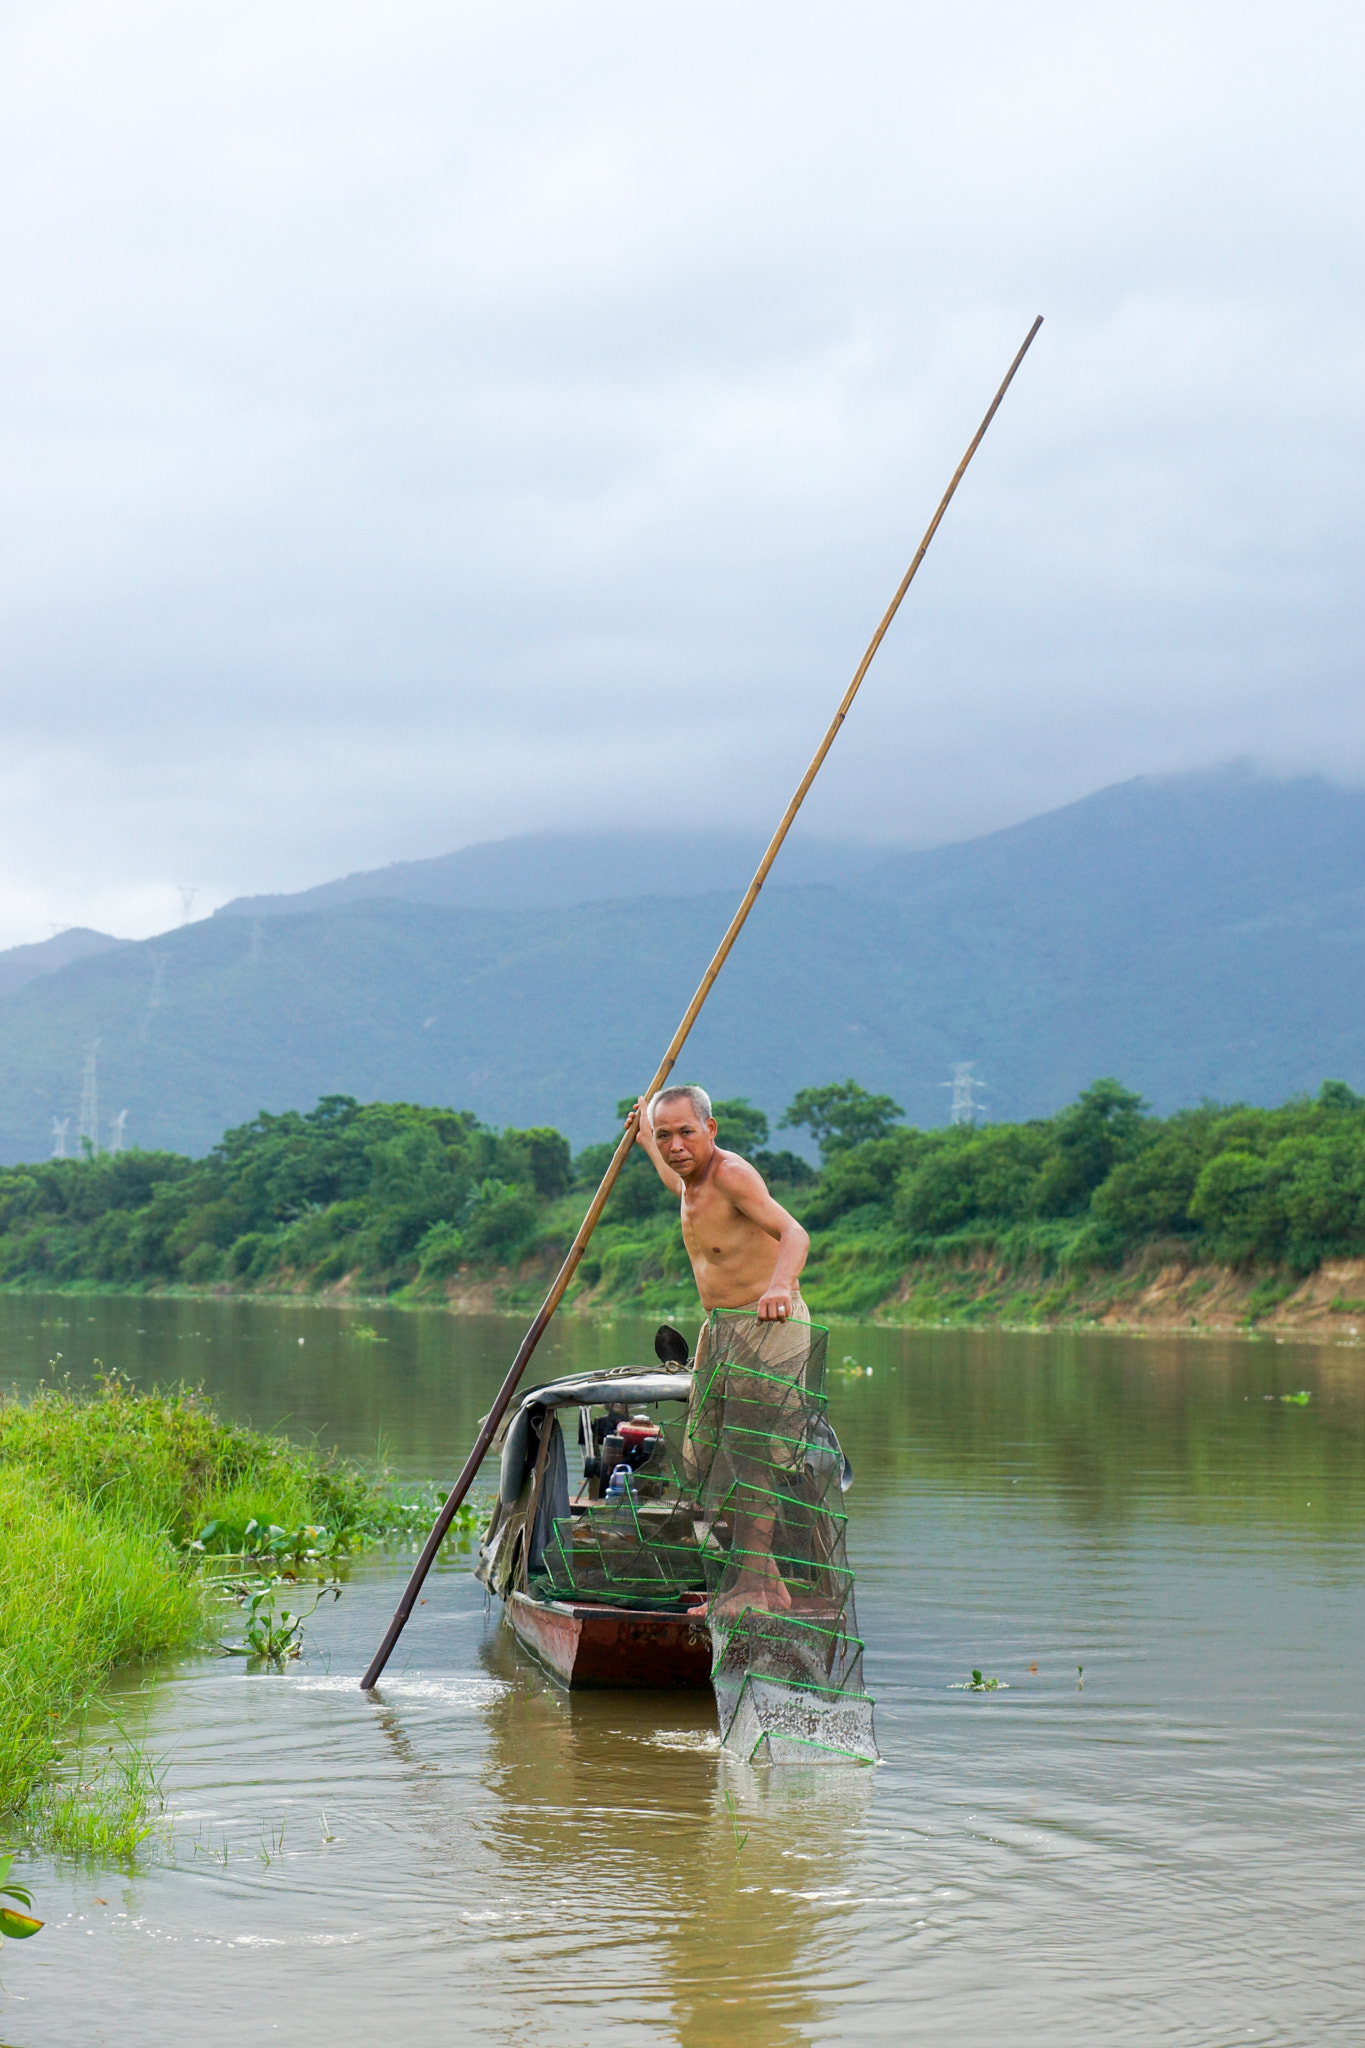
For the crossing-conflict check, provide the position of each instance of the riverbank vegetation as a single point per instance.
(988, 1221)
(104, 1501)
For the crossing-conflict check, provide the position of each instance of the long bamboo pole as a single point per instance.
(618, 1159)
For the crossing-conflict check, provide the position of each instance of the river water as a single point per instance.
(1151, 1832)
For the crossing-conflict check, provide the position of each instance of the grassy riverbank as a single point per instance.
(1099, 1213)
(100, 1499)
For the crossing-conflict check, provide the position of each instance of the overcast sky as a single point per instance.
(424, 423)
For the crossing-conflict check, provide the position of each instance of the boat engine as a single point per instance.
(639, 1440)
(632, 1445)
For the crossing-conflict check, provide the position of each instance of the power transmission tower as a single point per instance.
(60, 1125)
(88, 1124)
(187, 896)
(118, 1131)
(964, 1104)
(154, 999)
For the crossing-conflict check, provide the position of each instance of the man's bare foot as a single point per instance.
(753, 1588)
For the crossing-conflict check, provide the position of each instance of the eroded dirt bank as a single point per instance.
(1145, 1294)
(1175, 1295)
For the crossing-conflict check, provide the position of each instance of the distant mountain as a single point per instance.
(551, 870)
(1201, 936)
(1211, 846)
(19, 964)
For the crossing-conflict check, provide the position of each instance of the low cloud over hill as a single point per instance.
(1196, 937)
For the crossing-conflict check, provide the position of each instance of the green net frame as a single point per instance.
(787, 1659)
(643, 1550)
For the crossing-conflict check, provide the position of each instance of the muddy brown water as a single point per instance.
(1168, 1850)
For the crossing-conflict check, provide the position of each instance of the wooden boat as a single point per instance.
(658, 1639)
(583, 1644)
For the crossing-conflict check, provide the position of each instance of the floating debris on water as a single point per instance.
(976, 1683)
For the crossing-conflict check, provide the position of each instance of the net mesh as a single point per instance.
(745, 1505)
(787, 1660)
(643, 1549)
(639, 1551)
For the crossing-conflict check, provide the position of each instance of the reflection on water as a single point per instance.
(728, 1867)
(1164, 1849)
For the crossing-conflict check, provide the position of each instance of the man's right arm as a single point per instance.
(644, 1138)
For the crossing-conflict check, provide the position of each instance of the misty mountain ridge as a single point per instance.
(1251, 838)
(552, 870)
(19, 964)
(1196, 936)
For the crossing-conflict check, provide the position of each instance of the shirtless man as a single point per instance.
(729, 1220)
(747, 1252)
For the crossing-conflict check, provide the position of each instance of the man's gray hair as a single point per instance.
(698, 1097)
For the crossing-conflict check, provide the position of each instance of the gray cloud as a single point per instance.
(414, 416)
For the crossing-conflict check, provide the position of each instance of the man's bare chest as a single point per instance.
(713, 1226)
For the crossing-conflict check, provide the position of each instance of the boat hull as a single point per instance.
(583, 1645)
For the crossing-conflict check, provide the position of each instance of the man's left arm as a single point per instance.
(743, 1185)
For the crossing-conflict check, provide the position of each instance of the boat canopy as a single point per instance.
(592, 1389)
(627, 1389)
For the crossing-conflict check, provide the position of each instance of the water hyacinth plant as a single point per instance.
(976, 1683)
(18, 1926)
(252, 1538)
(273, 1634)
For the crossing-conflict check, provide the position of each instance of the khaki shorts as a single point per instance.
(767, 1334)
(759, 1401)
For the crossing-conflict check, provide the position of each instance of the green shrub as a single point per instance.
(551, 1165)
(1150, 1195)
(499, 1220)
(204, 1264)
(591, 1163)
(244, 1254)
(1231, 1200)
(861, 1176)
(785, 1169)
(441, 1252)
(639, 1192)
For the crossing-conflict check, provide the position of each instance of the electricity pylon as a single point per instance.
(88, 1125)
(59, 1130)
(964, 1104)
(118, 1130)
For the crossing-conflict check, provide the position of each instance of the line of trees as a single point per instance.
(395, 1195)
(1236, 1184)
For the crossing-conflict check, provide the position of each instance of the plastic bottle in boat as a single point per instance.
(619, 1486)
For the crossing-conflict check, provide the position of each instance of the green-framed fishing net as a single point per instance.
(743, 1501)
(786, 1657)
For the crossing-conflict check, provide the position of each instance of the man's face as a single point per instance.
(685, 1142)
